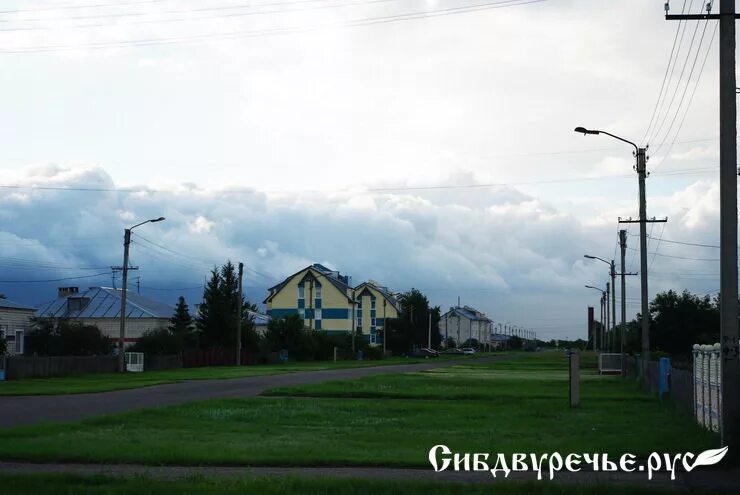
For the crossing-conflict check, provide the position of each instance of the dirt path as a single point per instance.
(25, 410)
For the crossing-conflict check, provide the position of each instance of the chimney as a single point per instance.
(67, 291)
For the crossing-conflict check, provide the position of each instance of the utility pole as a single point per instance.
(601, 332)
(429, 333)
(623, 248)
(385, 322)
(606, 330)
(124, 287)
(728, 304)
(643, 221)
(239, 318)
(614, 305)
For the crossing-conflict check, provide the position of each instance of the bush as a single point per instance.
(52, 337)
(160, 341)
(3, 346)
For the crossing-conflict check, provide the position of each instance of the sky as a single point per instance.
(419, 143)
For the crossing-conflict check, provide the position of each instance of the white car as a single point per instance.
(468, 350)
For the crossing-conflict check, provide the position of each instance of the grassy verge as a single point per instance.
(516, 406)
(103, 382)
(98, 485)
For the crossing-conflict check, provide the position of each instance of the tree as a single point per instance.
(63, 337)
(182, 325)
(411, 328)
(3, 346)
(680, 321)
(160, 341)
(216, 320)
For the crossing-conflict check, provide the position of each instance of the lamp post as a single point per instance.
(614, 292)
(124, 287)
(603, 297)
(640, 168)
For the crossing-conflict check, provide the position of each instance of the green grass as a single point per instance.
(99, 485)
(513, 406)
(103, 382)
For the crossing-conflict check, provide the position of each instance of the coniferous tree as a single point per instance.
(182, 325)
(216, 320)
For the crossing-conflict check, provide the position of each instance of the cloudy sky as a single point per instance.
(420, 143)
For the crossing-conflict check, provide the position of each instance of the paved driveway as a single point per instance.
(24, 410)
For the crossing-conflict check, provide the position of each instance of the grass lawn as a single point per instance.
(98, 485)
(508, 406)
(103, 382)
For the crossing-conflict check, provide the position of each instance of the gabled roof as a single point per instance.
(387, 294)
(8, 304)
(105, 302)
(468, 313)
(320, 272)
(259, 318)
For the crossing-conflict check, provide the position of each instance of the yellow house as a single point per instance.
(322, 297)
(375, 305)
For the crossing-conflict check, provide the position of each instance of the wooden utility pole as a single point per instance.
(729, 334)
(239, 318)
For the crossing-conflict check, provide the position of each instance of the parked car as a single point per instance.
(468, 350)
(425, 353)
(453, 351)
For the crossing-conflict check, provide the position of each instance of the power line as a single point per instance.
(274, 31)
(88, 6)
(656, 131)
(691, 99)
(53, 279)
(686, 87)
(655, 253)
(687, 171)
(665, 76)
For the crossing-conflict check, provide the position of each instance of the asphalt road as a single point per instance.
(26, 410)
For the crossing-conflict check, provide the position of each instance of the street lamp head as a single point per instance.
(589, 256)
(156, 219)
(584, 131)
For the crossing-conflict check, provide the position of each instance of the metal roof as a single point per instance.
(384, 292)
(321, 270)
(469, 313)
(105, 302)
(258, 318)
(8, 304)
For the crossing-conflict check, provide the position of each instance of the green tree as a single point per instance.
(216, 321)
(411, 328)
(182, 325)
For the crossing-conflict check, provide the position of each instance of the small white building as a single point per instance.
(101, 306)
(15, 323)
(465, 323)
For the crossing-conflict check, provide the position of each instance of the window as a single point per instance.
(318, 291)
(372, 322)
(359, 322)
(373, 338)
(300, 291)
(19, 342)
(302, 313)
(359, 303)
(317, 314)
(372, 303)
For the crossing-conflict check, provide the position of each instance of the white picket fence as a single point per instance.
(707, 382)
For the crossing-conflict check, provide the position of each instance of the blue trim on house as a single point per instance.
(278, 313)
(317, 303)
(335, 314)
(301, 303)
(317, 324)
(379, 322)
(310, 314)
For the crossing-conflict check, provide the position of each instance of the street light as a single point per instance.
(640, 168)
(603, 297)
(122, 336)
(614, 292)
